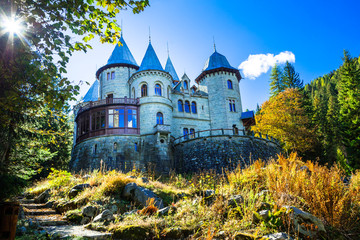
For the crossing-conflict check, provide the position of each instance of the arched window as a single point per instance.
(185, 85)
(193, 107)
(168, 92)
(234, 109)
(230, 85)
(186, 133)
(133, 93)
(159, 118)
(192, 133)
(187, 106)
(230, 105)
(180, 106)
(144, 90)
(157, 89)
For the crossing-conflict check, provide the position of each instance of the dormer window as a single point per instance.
(185, 85)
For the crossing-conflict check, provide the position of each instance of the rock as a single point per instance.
(43, 197)
(141, 195)
(208, 193)
(81, 187)
(277, 236)
(305, 223)
(244, 236)
(85, 220)
(49, 204)
(262, 215)
(74, 216)
(235, 200)
(164, 211)
(129, 190)
(104, 216)
(65, 206)
(113, 208)
(73, 193)
(89, 211)
(264, 206)
(144, 180)
(131, 232)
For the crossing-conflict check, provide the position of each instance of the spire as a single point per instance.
(93, 92)
(214, 44)
(149, 35)
(169, 67)
(217, 60)
(122, 54)
(150, 60)
(121, 34)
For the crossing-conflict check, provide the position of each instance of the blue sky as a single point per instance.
(315, 32)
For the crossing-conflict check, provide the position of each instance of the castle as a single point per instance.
(145, 116)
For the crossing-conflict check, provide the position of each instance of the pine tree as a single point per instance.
(290, 78)
(276, 85)
(349, 102)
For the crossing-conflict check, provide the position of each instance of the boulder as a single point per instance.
(89, 211)
(305, 223)
(73, 193)
(262, 215)
(65, 206)
(235, 200)
(141, 195)
(85, 220)
(264, 206)
(43, 197)
(104, 216)
(74, 216)
(277, 236)
(81, 187)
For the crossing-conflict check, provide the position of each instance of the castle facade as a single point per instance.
(136, 116)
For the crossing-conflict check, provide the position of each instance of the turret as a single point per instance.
(114, 76)
(221, 81)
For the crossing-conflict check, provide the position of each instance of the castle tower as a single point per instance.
(169, 67)
(115, 74)
(221, 81)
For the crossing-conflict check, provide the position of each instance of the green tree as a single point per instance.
(290, 78)
(276, 84)
(349, 102)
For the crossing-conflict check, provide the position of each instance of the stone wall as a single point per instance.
(221, 152)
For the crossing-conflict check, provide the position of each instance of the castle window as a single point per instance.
(112, 75)
(230, 85)
(186, 133)
(193, 90)
(108, 76)
(144, 90)
(158, 90)
(193, 107)
(116, 118)
(234, 109)
(115, 146)
(230, 105)
(133, 93)
(132, 118)
(185, 85)
(187, 106)
(180, 106)
(110, 95)
(192, 133)
(159, 118)
(98, 120)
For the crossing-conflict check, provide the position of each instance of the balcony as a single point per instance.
(162, 128)
(108, 101)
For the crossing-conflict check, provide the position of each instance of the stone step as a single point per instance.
(77, 231)
(27, 201)
(38, 212)
(34, 206)
(47, 223)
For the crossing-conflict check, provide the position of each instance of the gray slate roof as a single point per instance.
(122, 54)
(169, 67)
(217, 60)
(93, 93)
(150, 60)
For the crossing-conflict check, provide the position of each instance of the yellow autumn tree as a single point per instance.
(284, 118)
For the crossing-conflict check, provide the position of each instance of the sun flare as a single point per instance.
(12, 26)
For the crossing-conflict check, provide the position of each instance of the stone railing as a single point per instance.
(162, 128)
(223, 132)
(125, 101)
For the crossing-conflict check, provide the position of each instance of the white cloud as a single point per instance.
(257, 64)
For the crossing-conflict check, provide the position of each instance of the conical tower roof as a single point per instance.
(122, 55)
(217, 60)
(169, 67)
(93, 93)
(150, 60)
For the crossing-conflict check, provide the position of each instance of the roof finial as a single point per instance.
(214, 44)
(122, 30)
(167, 43)
(149, 35)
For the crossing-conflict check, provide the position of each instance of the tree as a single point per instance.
(32, 64)
(276, 84)
(349, 102)
(284, 118)
(290, 78)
